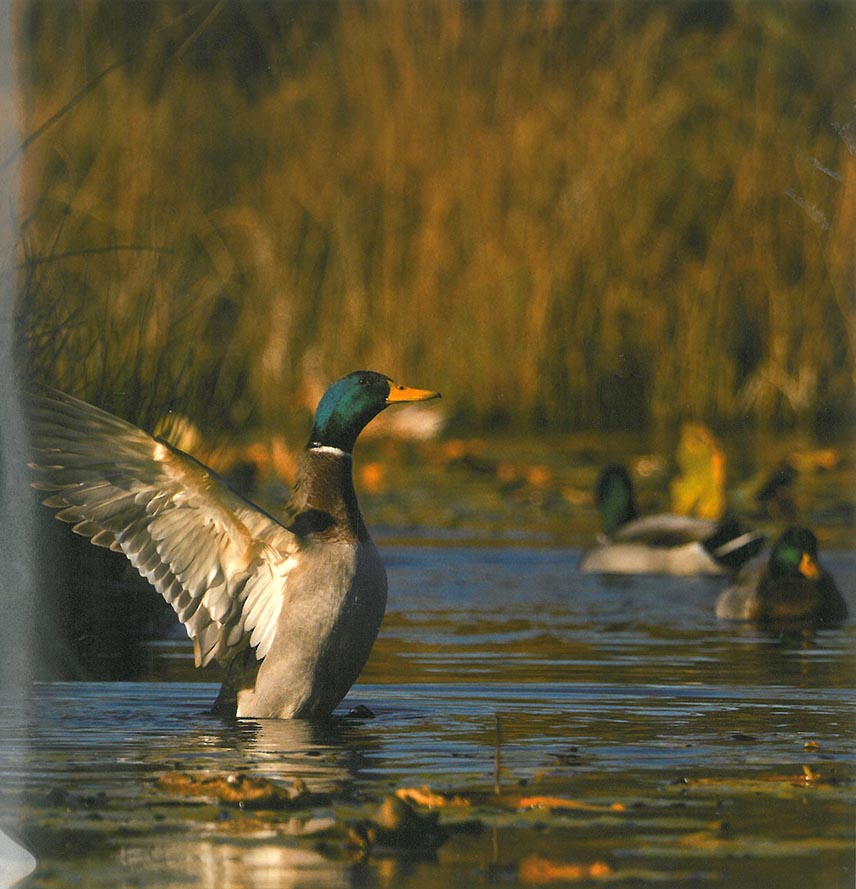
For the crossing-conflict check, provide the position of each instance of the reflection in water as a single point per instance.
(225, 865)
(327, 755)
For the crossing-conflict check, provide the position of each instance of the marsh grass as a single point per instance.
(574, 216)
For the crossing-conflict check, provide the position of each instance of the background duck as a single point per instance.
(769, 495)
(664, 543)
(292, 608)
(791, 587)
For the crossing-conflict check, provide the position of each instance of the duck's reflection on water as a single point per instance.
(328, 755)
(257, 861)
(249, 863)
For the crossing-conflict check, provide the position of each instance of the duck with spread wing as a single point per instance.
(291, 608)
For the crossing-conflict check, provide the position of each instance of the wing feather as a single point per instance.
(221, 562)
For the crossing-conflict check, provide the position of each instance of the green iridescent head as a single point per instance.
(613, 494)
(352, 402)
(795, 554)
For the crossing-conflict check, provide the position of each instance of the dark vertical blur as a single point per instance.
(16, 588)
(16, 593)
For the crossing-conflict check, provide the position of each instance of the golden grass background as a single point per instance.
(563, 215)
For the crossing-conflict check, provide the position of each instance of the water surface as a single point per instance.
(703, 753)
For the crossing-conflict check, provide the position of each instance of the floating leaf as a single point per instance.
(238, 790)
(424, 796)
(537, 870)
(555, 802)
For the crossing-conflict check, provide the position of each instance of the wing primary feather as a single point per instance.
(220, 562)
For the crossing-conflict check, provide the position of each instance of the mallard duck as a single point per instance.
(791, 587)
(292, 608)
(662, 543)
(769, 495)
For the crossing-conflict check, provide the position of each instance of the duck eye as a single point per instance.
(363, 381)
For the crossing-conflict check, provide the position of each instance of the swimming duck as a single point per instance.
(292, 608)
(664, 543)
(792, 586)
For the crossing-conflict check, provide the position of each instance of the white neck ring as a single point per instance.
(328, 449)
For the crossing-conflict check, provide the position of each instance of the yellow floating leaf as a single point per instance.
(556, 802)
(424, 796)
(537, 870)
(234, 789)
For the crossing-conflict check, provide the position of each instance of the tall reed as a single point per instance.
(577, 215)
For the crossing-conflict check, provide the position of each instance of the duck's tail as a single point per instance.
(733, 546)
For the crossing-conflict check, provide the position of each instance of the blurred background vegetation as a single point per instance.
(566, 216)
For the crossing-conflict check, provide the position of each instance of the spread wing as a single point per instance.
(221, 562)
